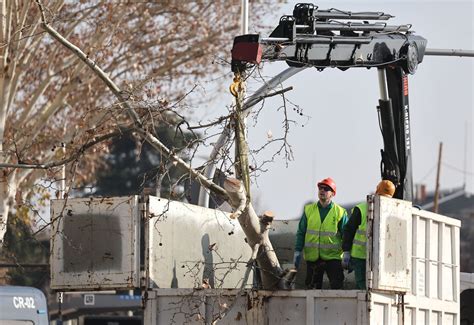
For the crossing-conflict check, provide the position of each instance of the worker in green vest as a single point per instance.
(354, 241)
(319, 238)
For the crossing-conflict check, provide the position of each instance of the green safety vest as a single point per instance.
(321, 239)
(359, 245)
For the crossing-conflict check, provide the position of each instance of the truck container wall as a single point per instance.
(349, 307)
(180, 306)
(193, 247)
(115, 243)
(390, 233)
(95, 243)
(166, 306)
(413, 278)
(414, 253)
(435, 256)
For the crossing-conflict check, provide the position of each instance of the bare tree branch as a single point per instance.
(71, 158)
(123, 99)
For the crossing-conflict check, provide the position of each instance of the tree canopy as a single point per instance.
(52, 108)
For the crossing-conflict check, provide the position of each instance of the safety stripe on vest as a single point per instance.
(320, 233)
(327, 233)
(360, 243)
(361, 232)
(325, 246)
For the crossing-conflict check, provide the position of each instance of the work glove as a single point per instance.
(297, 259)
(346, 258)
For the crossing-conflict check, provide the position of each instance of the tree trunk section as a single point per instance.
(7, 192)
(256, 231)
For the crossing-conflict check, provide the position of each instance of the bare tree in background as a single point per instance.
(119, 69)
(54, 111)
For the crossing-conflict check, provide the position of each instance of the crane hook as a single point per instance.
(236, 86)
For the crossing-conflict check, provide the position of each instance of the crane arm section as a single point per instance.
(332, 38)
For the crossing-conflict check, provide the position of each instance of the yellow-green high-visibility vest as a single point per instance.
(359, 245)
(321, 239)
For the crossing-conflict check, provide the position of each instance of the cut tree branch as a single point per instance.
(257, 100)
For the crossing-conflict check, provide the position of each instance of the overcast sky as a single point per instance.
(338, 135)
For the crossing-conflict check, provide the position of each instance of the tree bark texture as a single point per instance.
(256, 231)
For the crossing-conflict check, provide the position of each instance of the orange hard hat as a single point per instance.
(328, 182)
(385, 188)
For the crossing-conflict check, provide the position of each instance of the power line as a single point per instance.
(458, 169)
(451, 167)
(427, 174)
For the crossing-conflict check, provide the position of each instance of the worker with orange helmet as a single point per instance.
(354, 241)
(319, 238)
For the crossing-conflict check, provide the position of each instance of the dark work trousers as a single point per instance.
(359, 267)
(315, 271)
